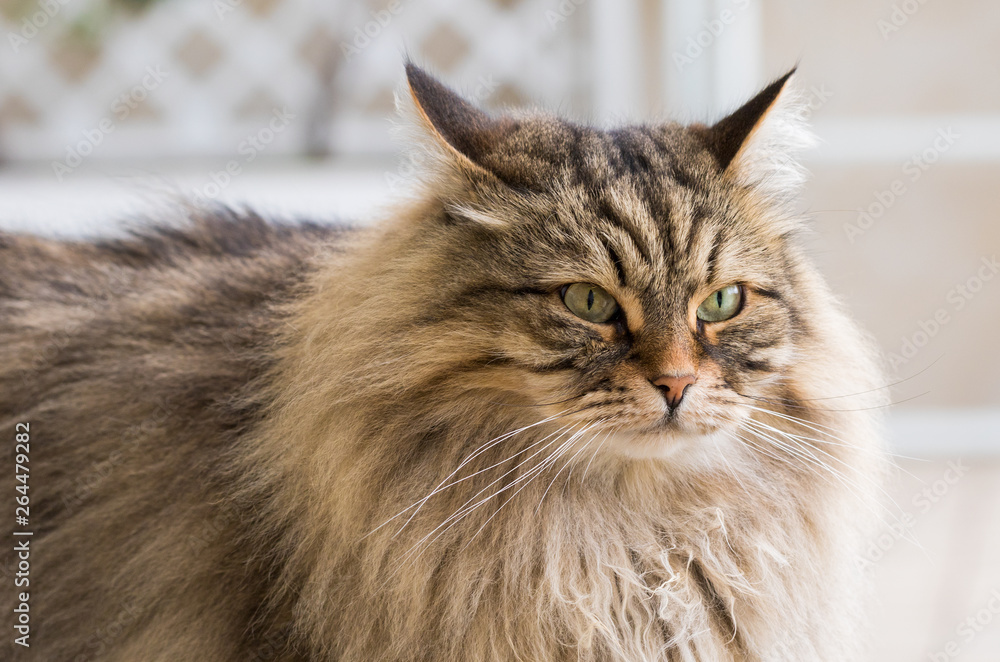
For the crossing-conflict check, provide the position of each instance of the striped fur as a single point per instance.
(256, 442)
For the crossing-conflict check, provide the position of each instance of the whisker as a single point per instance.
(583, 448)
(852, 486)
(801, 440)
(821, 429)
(482, 449)
(808, 460)
(497, 464)
(785, 404)
(596, 451)
(766, 451)
(549, 461)
(871, 390)
(465, 508)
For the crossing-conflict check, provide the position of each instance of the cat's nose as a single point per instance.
(673, 386)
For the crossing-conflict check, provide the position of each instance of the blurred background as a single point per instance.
(109, 108)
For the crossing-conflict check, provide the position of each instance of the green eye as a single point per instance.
(721, 304)
(590, 302)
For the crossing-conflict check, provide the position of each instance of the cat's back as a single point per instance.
(76, 310)
(137, 362)
(57, 270)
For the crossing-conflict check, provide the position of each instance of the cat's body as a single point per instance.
(159, 343)
(237, 428)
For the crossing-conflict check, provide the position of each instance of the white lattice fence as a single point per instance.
(88, 79)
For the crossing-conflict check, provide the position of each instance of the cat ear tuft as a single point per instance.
(757, 143)
(465, 132)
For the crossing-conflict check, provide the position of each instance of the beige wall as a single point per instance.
(893, 93)
(902, 276)
(942, 59)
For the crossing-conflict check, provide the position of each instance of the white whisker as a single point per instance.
(596, 451)
(482, 449)
(536, 471)
(465, 509)
(580, 450)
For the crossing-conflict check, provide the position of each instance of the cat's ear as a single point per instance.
(757, 143)
(464, 133)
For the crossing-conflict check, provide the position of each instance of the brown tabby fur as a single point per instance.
(236, 425)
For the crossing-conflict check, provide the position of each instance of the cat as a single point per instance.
(580, 397)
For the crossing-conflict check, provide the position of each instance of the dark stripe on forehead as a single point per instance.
(616, 260)
(648, 176)
(698, 224)
(701, 218)
(713, 258)
(624, 164)
(669, 152)
(632, 157)
(581, 172)
(770, 294)
(607, 210)
(682, 177)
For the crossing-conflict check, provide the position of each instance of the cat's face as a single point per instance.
(627, 282)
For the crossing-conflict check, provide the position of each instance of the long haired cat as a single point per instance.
(582, 398)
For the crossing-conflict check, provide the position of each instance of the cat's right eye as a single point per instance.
(721, 305)
(590, 302)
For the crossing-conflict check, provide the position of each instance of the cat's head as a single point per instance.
(640, 280)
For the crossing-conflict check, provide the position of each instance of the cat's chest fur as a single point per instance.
(588, 576)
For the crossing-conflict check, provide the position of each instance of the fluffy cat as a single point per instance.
(581, 398)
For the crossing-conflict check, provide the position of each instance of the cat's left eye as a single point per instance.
(721, 305)
(590, 302)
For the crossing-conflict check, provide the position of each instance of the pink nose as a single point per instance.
(673, 387)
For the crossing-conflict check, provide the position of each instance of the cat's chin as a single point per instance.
(673, 444)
